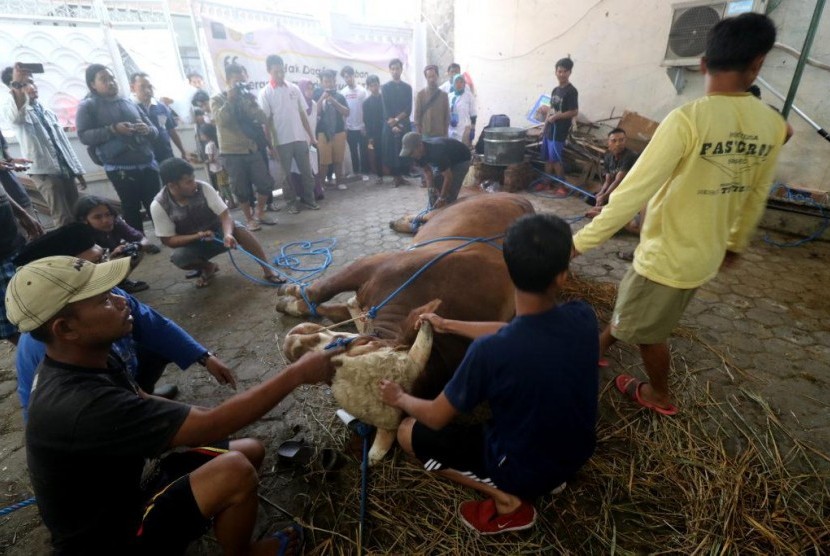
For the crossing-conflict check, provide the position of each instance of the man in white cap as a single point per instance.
(91, 429)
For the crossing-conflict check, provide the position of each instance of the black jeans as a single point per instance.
(135, 188)
(358, 147)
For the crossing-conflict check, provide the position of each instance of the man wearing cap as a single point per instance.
(449, 157)
(154, 342)
(91, 429)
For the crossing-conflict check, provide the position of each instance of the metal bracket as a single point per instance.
(678, 77)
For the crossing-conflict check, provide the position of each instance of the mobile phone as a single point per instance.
(31, 68)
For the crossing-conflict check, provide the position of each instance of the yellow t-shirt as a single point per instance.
(705, 175)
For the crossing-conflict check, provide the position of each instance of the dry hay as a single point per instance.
(706, 481)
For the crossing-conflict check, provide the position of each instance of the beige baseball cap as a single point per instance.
(40, 289)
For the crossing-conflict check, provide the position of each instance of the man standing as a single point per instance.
(92, 431)
(432, 108)
(373, 118)
(397, 107)
(9, 180)
(705, 175)
(55, 166)
(618, 161)
(239, 122)
(161, 117)
(449, 157)
(121, 136)
(332, 111)
(289, 132)
(355, 128)
(564, 107)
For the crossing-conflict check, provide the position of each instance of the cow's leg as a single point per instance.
(351, 278)
(383, 443)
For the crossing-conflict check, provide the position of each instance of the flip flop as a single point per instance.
(285, 536)
(625, 255)
(295, 452)
(603, 362)
(630, 386)
(253, 226)
(265, 221)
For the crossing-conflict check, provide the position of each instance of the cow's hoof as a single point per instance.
(289, 289)
(291, 306)
(402, 225)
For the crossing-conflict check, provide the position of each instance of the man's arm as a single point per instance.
(177, 140)
(203, 426)
(446, 187)
(227, 229)
(656, 165)
(467, 329)
(29, 224)
(182, 240)
(436, 414)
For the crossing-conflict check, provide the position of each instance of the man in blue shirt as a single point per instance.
(538, 373)
(160, 115)
(154, 341)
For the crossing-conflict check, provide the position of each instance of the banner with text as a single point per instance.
(305, 57)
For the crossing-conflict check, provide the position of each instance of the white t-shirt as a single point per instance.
(283, 105)
(212, 153)
(354, 98)
(162, 223)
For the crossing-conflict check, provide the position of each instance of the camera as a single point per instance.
(132, 250)
(243, 86)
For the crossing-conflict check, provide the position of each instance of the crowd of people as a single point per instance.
(90, 354)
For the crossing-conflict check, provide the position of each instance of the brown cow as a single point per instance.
(471, 284)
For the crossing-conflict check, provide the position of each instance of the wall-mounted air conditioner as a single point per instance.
(691, 22)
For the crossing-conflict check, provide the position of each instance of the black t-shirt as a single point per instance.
(443, 152)
(87, 439)
(10, 238)
(562, 99)
(623, 164)
(331, 121)
(373, 116)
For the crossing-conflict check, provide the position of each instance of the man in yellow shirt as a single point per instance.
(705, 175)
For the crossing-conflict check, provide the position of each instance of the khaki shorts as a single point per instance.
(646, 312)
(331, 151)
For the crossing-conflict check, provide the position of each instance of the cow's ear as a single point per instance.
(409, 330)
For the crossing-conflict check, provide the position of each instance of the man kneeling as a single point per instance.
(91, 429)
(190, 215)
(539, 375)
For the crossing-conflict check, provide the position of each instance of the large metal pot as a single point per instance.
(504, 146)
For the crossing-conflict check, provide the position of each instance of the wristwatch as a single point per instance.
(203, 359)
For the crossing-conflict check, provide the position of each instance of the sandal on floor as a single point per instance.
(203, 280)
(265, 221)
(630, 386)
(625, 255)
(253, 226)
(285, 536)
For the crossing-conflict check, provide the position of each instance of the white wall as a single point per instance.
(510, 48)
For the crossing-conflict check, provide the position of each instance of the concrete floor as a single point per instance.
(769, 316)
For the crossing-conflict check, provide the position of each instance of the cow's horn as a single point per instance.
(419, 353)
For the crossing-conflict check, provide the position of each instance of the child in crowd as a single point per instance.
(218, 176)
(113, 234)
(307, 89)
(108, 228)
(373, 118)
(538, 373)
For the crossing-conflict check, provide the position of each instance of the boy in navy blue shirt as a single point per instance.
(538, 374)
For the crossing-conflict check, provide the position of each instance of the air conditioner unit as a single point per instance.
(691, 22)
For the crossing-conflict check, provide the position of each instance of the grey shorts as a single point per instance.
(196, 254)
(646, 312)
(244, 171)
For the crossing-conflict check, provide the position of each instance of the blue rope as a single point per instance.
(19, 505)
(457, 238)
(340, 342)
(799, 197)
(570, 186)
(372, 313)
(290, 261)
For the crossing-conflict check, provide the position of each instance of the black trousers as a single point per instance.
(358, 147)
(135, 188)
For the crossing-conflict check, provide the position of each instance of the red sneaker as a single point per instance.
(481, 516)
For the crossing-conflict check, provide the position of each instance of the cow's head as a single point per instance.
(365, 361)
